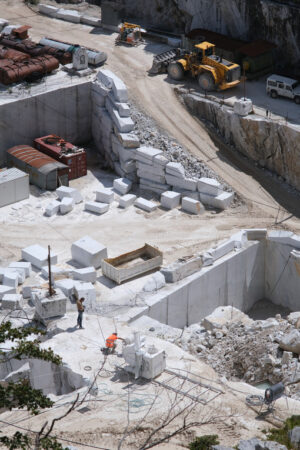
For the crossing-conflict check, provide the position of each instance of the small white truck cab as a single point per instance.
(283, 86)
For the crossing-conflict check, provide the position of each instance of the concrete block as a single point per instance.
(127, 200)
(123, 124)
(66, 205)
(149, 186)
(243, 106)
(160, 160)
(49, 307)
(47, 9)
(144, 204)
(125, 154)
(11, 278)
(161, 179)
(118, 169)
(128, 166)
(256, 234)
(99, 88)
(52, 208)
(6, 290)
(68, 14)
(175, 169)
(129, 140)
(209, 186)
(146, 154)
(26, 291)
(12, 301)
(122, 108)
(192, 206)
(221, 201)
(151, 169)
(87, 274)
(122, 185)
(26, 266)
(88, 292)
(20, 271)
(170, 199)
(89, 20)
(96, 207)
(88, 252)
(65, 191)
(38, 256)
(111, 81)
(190, 184)
(66, 286)
(104, 195)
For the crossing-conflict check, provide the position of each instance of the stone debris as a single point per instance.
(96, 207)
(65, 191)
(66, 205)
(192, 206)
(88, 252)
(122, 185)
(127, 200)
(170, 199)
(38, 256)
(144, 204)
(240, 348)
(291, 342)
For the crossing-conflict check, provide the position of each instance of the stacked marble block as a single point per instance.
(104, 197)
(112, 130)
(10, 278)
(67, 198)
(112, 124)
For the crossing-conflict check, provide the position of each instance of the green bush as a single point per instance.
(204, 442)
(281, 435)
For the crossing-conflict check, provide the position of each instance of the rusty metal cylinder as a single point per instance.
(12, 72)
(14, 55)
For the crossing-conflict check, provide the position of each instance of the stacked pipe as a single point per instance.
(33, 49)
(14, 71)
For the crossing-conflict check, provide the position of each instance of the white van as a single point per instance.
(286, 87)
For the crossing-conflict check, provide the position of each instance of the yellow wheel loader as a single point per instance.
(212, 71)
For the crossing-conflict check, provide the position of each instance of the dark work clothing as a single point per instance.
(79, 318)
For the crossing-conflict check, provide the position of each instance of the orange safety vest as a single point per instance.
(110, 341)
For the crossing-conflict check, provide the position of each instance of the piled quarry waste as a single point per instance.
(114, 135)
(240, 348)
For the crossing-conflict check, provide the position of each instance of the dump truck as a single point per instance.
(130, 34)
(212, 71)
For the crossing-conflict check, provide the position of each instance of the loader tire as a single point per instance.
(206, 82)
(175, 71)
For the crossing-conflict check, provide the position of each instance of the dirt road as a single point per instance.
(264, 196)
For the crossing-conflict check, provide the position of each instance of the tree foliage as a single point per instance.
(24, 343)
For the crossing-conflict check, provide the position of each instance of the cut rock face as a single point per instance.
(224, 316)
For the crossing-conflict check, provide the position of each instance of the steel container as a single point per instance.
(44, 172)
(14, 71)
(64, 152)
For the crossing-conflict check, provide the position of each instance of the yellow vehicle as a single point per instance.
(212, 71)
(129, 33)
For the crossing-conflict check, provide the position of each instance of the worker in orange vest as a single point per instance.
(111, 343)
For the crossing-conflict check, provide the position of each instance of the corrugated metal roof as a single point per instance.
(11, 174)
(33, 157)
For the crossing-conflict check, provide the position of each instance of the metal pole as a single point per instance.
(49, 273)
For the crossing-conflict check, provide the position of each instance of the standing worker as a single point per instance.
(111, 343)
(80, 309)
